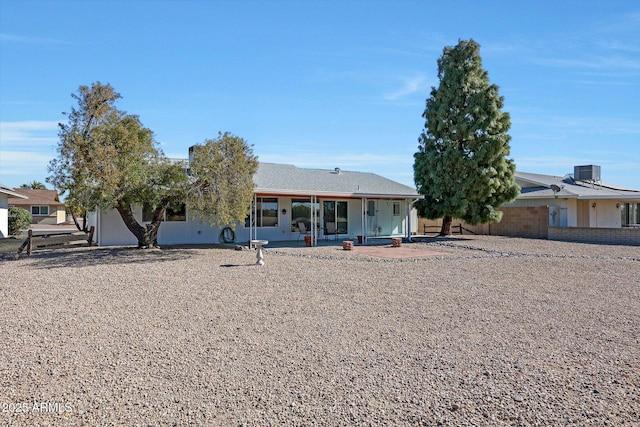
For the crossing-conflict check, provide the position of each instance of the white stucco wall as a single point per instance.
(4, 215)
(605, 214)
(111, 231)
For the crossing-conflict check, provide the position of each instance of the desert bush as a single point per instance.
(19, 219)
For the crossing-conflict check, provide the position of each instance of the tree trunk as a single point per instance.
(446, 226)
(84, 227)
(75, 220)
(147, 235)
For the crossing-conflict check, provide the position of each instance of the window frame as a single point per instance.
(342, 227)
(260, 217)
(40, 209)
(147, 213)
(396, 208)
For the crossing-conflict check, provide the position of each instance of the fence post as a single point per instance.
(90, 238)
(30, 239)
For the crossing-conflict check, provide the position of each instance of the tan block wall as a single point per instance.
(609, 236)
(531, 222)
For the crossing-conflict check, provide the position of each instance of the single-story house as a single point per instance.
(573, 207)
(5, 193)
(289, 203)
(44, 205)
(579, 200)
(578, 208)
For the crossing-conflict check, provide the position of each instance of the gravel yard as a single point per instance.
(491, 331)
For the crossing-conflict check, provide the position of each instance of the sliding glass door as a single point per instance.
(336, 212)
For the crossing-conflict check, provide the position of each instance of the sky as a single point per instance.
(324, 84)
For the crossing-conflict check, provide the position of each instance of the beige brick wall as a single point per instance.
(516, 222)
(609, 236)
(531, 222)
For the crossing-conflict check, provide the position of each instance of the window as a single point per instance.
(147, 213)
(174, 212)
(396, 208)
(266, 213)
(336, 211)
(39, 210)
(630, 213)
(301, 212)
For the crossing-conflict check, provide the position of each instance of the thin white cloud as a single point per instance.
(28, 133)
(26, 148)
(18, 167)
(595, 62)
(16, 38)
(410, 86)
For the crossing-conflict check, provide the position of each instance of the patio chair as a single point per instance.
(302, 229)
(330, 228)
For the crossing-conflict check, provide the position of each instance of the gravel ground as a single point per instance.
(498, 331)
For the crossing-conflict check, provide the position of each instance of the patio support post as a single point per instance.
(364, 220)
(408, 207)
(314, 219)
(253, 223)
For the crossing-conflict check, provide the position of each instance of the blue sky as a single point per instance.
(324, 83)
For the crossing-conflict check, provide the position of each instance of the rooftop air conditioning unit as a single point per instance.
(586, 173)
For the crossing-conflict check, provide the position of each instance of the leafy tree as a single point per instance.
(34, 185)
(461, 165)
(19, 219)
(107, 159)
(222, 183)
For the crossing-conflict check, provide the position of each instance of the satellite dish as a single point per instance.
(556, 189)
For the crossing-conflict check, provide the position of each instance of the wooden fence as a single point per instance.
(55, 239)
(455, 229)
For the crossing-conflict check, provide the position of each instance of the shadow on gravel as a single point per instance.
(237, 265)
(439, 239)
(83, 257)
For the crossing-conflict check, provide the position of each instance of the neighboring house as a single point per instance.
(578, 208)
(289, 203)
(44, 205)
(5, 193)
(579, 200)
(574, 207)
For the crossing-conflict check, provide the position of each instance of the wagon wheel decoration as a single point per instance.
(227, 235)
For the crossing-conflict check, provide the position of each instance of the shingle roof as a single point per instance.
(9, 192)
(37, 197)
(273, 178)
(539, 186)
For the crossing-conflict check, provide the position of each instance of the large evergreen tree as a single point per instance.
(461, 165)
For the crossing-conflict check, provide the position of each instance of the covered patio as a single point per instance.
(318, 205)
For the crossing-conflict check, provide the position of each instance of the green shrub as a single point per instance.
(19, 219)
